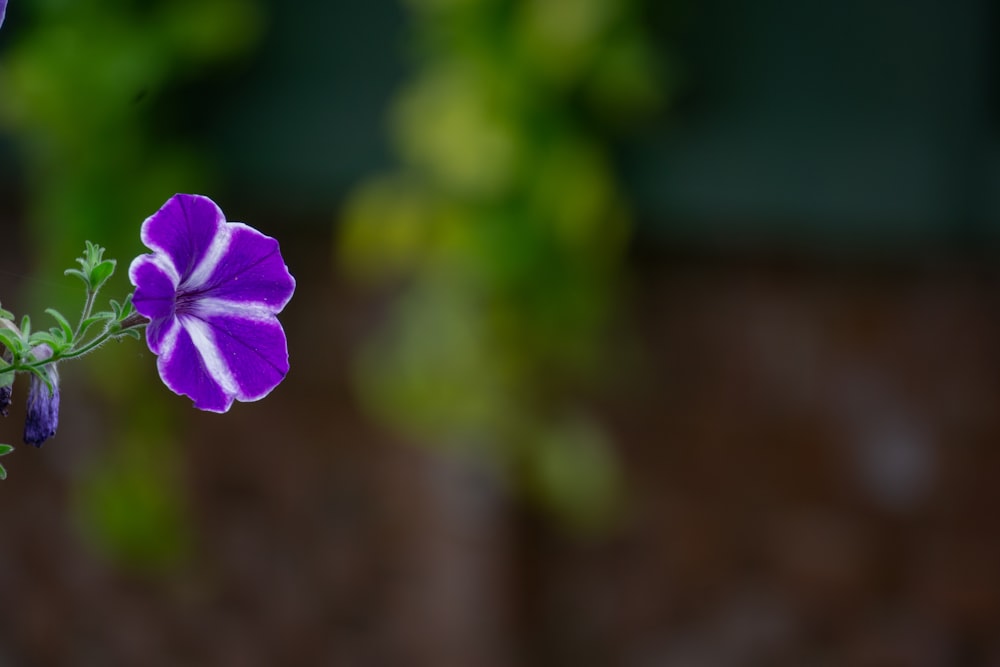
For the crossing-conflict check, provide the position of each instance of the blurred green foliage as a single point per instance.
(129, 500)
(81, 84)
(506, 225)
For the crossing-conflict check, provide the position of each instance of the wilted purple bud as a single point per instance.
(5, 392)
(43, 405)
(4, 399)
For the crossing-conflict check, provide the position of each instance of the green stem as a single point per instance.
(87, 308)
(100, 340)
(89, 347)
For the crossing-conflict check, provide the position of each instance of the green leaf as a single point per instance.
(126, 308)
(63, 322)
(47, 337)
(25, 327)
(100, 273)
(4, 450)
(79, 274)
(12, 342)
(95, 253)
(53, 338)
(103, 316)
(94, 270)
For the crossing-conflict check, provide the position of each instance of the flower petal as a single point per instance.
(251, 270)
(255, 350)
(156, 286)
(189, 364)
(157, 334)
(184, 230)
(3, 10)
(211, 290)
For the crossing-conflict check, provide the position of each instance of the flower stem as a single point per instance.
(134, 320)
(87, 309)
(101, 339)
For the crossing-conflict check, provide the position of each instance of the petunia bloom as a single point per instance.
(3, 10)
(212, 291)
(42, 414)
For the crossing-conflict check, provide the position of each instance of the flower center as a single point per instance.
(186, 302)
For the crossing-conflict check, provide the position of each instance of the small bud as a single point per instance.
(43, 409)
(42, 417)
(5, 391)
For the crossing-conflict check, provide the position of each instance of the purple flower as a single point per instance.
(3, 10)
(212, 290)
(42, 417)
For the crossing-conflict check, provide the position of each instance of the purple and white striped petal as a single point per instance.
(251, 271)
(3, 10)
(156, 286)
(185, 370)
(182, 232)
(212, 291)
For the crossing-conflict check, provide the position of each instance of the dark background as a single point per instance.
(800, 396)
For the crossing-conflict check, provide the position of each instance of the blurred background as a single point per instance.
(627, 332)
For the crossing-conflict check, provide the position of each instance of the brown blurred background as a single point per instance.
(626, 333)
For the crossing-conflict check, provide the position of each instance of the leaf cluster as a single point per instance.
(26, 350)
(94, 269)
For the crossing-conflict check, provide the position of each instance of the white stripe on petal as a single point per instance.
(218, 369)
(162, 260)
(246, 310)
(213, 255)
(169, 339)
